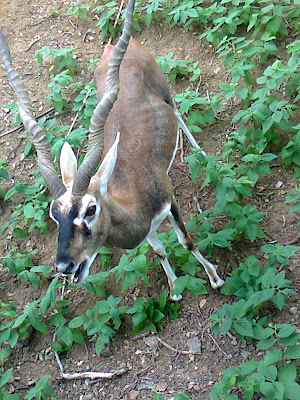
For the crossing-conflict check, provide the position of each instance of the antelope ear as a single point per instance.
(107, 166)
(68, 165)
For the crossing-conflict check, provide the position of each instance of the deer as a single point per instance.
(133, 139)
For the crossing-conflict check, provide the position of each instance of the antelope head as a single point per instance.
(79, 196)
(83, 219)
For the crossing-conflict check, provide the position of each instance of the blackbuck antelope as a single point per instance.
(134, 131)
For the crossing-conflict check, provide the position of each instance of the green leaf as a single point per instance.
(292, 391)
(180, 284)
(293, 352)
(99, 345)
(13, 338)
(243, 327)
(261, 296)
(266, 344)
(19, 321)
(290, 340)
(196, 286)
(272, 357)
(65, 334)
(280, 300)
(181, 396)
(286, 331)
(261, 333)
(157, 396)
(157, 316)
(287, 373)
(5, 353)
(268, 389)
(77, 336)
(77, 321)
(19, 233)
(5, 377)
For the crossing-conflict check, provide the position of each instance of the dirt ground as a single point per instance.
(29, 25)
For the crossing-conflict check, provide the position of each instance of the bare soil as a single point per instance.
(151, 364)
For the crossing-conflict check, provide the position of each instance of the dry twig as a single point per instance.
(292, 241)
(32, 43)
(21, 127)
(216, 343)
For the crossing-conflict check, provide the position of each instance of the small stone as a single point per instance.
(202, 303)
(133, 394)
(293, 310)
(234, 342)
(194, 345)
(161, 386)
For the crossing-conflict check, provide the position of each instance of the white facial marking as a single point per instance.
(64, 205)
(77, 221)
(88, 201)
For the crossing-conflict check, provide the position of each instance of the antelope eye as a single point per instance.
(90, 211)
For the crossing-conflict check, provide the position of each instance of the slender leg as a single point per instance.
(159, 249)
(185, 129)
(186, 241)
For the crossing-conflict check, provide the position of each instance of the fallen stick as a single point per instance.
(93, 375)
(32, 43)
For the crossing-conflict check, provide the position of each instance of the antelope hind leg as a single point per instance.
(186, 241)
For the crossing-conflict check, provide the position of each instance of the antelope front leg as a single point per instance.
(159, 249)
(185, 240)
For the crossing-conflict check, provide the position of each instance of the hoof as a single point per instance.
(218, 284)
(175, 297)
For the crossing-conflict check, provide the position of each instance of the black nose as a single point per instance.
(65, 263)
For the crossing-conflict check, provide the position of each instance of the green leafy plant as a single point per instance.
(85, 103)
(200, 110)
(149, 313)
(63, 58)
(294, 197)
(41, 390)
(179, 396)
(107, 12)
(177, 68)
(34, 210)
(269, 377)
(22, 265)
(95, 322)
(3, 175)
(78, 10)
(57, 93)
(254, 285)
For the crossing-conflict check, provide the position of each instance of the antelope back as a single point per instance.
(144, 115)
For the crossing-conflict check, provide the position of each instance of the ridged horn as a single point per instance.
(37, 134)
(102, 110)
